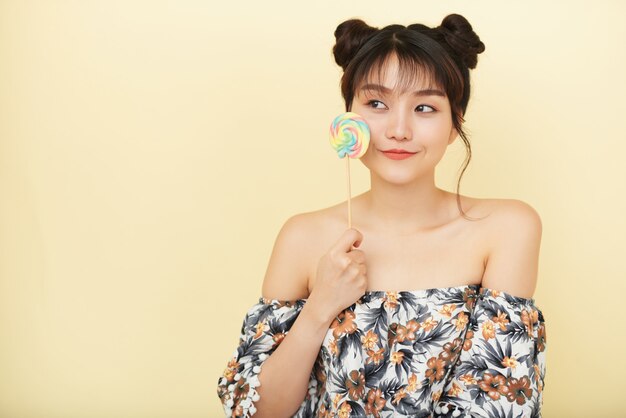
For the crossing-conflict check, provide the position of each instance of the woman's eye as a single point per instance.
(373, 104)
(430, 107)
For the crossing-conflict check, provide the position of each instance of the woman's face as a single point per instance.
(417, 123)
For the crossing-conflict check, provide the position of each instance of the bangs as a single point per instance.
(413, 73)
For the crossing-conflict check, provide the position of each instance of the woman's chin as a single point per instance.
(399, 179)
(395, 174)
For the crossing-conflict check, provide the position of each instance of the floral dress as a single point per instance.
(463, 351)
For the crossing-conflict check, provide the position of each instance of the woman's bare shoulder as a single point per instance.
(513, 235)
(514, 216)
(498, 210)
(297, 243)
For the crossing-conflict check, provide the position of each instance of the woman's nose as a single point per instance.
(398, 126)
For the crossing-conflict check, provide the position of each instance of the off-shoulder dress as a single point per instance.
(463, 351)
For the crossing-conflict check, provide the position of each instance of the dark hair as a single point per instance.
(442, 55)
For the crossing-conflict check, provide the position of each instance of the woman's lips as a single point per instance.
(398, 155)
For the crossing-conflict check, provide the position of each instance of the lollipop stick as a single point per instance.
(349, 194)
(350, 137)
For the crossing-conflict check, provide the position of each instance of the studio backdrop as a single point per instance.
(151, 150)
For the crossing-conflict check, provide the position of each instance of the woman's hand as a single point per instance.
(341, 276)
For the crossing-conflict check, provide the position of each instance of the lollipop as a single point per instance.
(349, 136)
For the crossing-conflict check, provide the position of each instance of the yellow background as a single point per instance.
(151, 150)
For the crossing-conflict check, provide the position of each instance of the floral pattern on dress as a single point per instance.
(442, 352)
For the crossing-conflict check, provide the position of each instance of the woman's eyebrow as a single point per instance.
(386, 90)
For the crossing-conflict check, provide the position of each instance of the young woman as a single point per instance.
(424, 308)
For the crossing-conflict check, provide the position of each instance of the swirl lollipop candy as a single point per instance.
(349, 136)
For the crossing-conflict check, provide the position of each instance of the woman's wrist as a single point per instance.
(315, 312)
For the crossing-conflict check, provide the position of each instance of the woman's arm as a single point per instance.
(284, 378)
(340, 281)
(285, 375)
(285, 338)
(501, 368)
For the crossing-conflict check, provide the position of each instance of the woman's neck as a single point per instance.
(406, 208)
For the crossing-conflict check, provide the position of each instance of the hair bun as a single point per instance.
(350, 35)
(459, 35)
